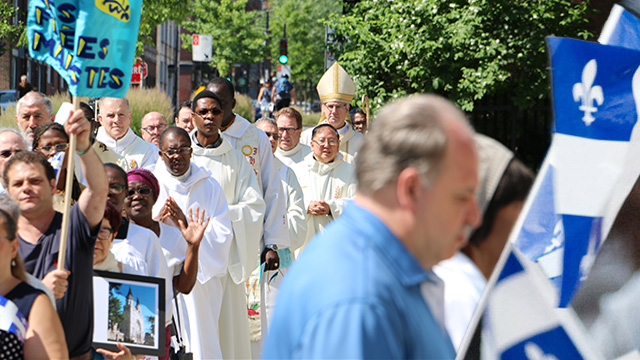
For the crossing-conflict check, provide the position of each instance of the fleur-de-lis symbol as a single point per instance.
(587, 93)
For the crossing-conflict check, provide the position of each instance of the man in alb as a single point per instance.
(239, 183)
(327, 180)
(116, 134)
(336, 90)
(290, 150)
(186, 186)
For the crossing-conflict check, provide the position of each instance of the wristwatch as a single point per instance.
(273, 247)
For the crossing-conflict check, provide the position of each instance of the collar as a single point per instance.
(291, 152)
(223, 127)
(212, 146)
(113, 144)
(401, 262)
(237, 127)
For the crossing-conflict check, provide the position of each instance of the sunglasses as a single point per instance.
(59, 147)
(275, 136)
(142, 191)
(5, 154)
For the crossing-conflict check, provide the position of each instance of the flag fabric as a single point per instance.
(90, 43)
(596, 92)
(11, 320)
(521, 320)
(622, 26)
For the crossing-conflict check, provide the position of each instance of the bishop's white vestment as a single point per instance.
(200, 309)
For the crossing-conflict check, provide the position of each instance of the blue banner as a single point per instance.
(90, 43)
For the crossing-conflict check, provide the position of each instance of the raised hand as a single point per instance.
(194, 230)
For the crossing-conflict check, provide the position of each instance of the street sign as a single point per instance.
(139, 71)
(202, 48)
(284, 69)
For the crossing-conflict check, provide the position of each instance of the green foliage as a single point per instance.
(154, 13)
(244, 107)
(115, 313)
(237, 34)
(305, 37)
(463, 49)
(145, 100)
(10, 33)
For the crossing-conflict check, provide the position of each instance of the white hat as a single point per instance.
(336, 85)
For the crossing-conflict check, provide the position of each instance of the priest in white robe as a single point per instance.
(290, 150)
(214, 152)
(336, 90)
(327, 181)
(116, 134)
(191, 186)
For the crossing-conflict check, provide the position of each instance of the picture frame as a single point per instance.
(129, 309)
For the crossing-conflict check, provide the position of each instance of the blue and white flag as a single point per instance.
(596, 92)
(11, 319)
(90, 43)
(522, 322)
(623, 26)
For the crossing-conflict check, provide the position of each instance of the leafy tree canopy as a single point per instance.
(464, 50)
(154, 13)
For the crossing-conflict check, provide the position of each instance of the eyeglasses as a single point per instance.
(281, 130)
(105, 233)
(323, 142)
(143, 190)
(275, 136)
(359, 123)
(116, 188)
(151, 128)
(5, 154)
(59, 147)
(202, 112)
(182, 151)
(336, 106)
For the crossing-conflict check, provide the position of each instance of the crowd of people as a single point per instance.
(342, 231)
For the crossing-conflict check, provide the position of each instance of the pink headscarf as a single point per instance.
(147, 177)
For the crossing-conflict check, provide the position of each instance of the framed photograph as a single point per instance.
(129, 309)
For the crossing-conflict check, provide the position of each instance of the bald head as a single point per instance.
(115, 116)
(152, 125)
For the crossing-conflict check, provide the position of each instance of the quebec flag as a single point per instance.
(577, 194)
(521, 320)
(622, 27)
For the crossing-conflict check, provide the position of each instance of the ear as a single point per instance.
(52, 183)
(15, 244)
(233, 104)
(408, 187)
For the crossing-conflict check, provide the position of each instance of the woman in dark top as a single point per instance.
(44, 338)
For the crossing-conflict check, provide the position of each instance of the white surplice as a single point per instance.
(247, 208)
(334, 183)
(350, 141)
(138, 152)
(200, 309)
(293, 156)
(296, 219)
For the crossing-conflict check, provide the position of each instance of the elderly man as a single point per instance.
(336, 91)
(247, 207)
(116, 134)
(187, 186)
(327, 180)
(151, 126)
(290, 150)
(378, 297)
(31, 183)
(11, 142)
(33, 110)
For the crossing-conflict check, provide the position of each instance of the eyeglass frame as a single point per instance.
(110, 230)
(275, 135)
(325, 142)
(116, 191)
(179, 151)
(146, 128)
(58, 147)
(287, 129)
(141, 191)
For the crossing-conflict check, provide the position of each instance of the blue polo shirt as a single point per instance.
(355, 293)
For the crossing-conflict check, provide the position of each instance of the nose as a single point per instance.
(474, 216)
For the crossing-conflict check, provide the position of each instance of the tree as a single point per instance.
(115, 307)
(237, 34)
(463, 49)
(305, 34)
(154, 13)
(10, 32)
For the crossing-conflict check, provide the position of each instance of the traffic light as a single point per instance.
(284, 58)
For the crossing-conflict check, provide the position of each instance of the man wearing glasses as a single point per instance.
(327, 181)
(290, 150)
(151, 126)
(239, 183)
(116, 134)
(336, 90)
(11, 142)
(184, 186)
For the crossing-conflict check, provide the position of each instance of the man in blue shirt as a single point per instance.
(364, 287)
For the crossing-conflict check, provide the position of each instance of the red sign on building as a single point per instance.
(139, 71)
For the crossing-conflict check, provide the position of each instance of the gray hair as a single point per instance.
(267, 120)
(34, 98)
(18, 134)
(9, 206)
(408, 133)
